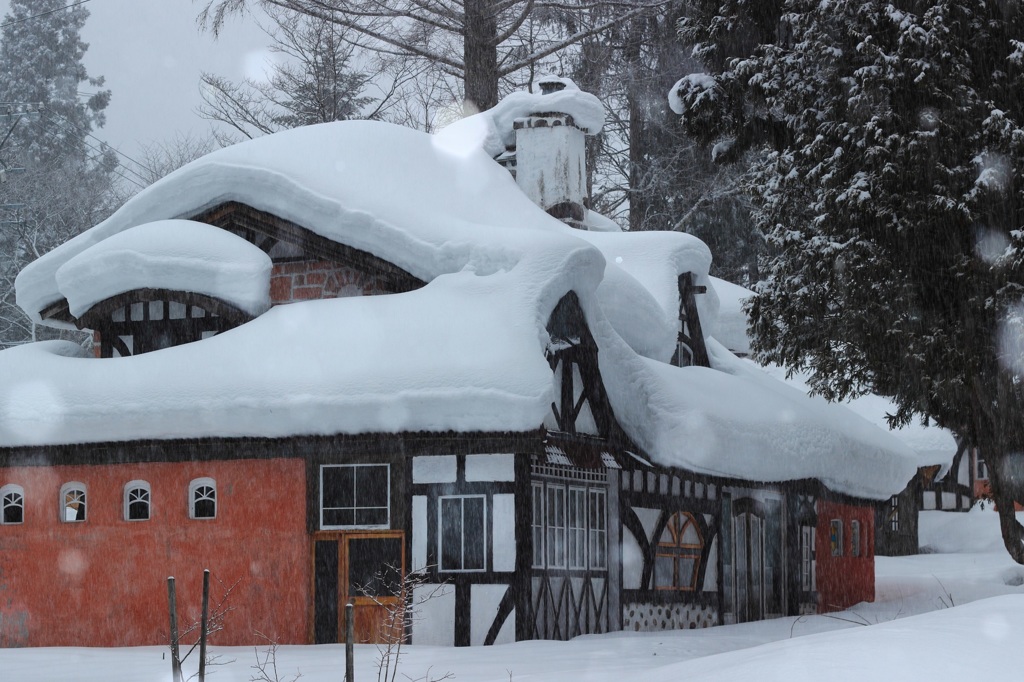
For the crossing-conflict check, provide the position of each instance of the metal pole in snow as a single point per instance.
(350, 637)
(173, 604)
(202, 630)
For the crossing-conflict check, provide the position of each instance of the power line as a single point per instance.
(43, 14)
(99, 153)
(85, 132)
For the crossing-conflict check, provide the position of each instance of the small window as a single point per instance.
(202, 496)
(12, 504)
(982, 470)
(894, 514)
(355, 496)
(136, 501)
(463, 533)
(677, 560)
(835, 537)
(72, 502)
(854, 538)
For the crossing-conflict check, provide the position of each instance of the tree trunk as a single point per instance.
(480, 55)
(1012, 531)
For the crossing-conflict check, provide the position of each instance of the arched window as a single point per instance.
(12, 504)
(72, 502)
(136, 501)
(202, 499)
(677, 559)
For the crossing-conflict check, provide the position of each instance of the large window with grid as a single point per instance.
(569, 525)
(355, 496)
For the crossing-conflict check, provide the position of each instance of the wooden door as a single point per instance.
(365, 569)
(757, 555)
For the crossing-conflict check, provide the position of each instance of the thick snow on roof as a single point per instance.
(465, 352)
(930, 444)
(180, 255)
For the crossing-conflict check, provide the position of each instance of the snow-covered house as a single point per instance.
(335, 354)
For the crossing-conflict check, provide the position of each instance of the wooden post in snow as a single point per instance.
(203, 625)
(350, 637)
(173, 606)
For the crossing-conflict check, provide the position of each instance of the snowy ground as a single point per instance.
(937, 616)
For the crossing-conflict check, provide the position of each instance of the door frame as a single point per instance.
(342, 537)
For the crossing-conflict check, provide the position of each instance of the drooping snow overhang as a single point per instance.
(173, 255)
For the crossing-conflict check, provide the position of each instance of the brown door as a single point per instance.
(365, 569)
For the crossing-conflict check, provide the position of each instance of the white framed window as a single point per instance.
(462, 533)
(598, 529)
(537, 524)
(569, 526)
(72, 502)
(576, 529)
(355, 496)
(854, 538)
(136, 501)
(202, 499)
(555, 508)
(12, 504)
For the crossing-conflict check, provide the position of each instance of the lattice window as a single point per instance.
(807, 558)
(136, 501)
(677, 557)
(537, 524)
(355, 496)
(202, 495)
(72, 502)
(12, 504)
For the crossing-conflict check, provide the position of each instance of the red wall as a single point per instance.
(844, 580)
(306, 280)
(103, 582)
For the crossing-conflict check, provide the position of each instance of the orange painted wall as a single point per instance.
(844, 580)
(103, 582)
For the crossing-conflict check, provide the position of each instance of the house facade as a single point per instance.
(331, 359)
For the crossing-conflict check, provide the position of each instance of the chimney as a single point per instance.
(550, 160)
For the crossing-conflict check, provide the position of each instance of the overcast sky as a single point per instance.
(151, 54)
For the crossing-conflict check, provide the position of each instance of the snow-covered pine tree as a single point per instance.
(67, 177)
(892, 196)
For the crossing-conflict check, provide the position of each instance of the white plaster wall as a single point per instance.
(648, 519)
(440, 469)
(485, 600)
(711, 572)
(504, 532)
(419, 532)
(434, 620)
(632, 561)
(497, 467)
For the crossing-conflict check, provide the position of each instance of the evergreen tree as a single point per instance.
(892, 195)
(314, 85)
(58, 179)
